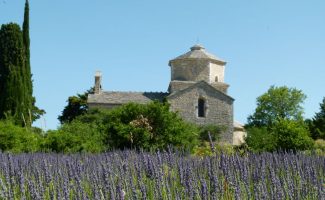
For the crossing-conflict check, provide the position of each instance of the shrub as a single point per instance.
(320, 146)
(259, 139)
(17, 139)
(75, 137)
(292, 135)
(147, 126)
(214, 131)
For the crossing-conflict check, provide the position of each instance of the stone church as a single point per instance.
(197, 91)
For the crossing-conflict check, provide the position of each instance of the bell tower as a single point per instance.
(194, 66)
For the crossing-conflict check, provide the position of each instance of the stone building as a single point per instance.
(196, 91)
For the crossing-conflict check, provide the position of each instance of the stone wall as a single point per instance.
(219, 109)
(179, 85)
(190, 70)
(220, 86)
(217, 71)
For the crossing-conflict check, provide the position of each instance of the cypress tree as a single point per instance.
(26, 40)
(33, 111)
(16, 88)
(13, 100)
(27, 76)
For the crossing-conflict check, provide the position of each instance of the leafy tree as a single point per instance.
(259, 139)
(77, 105)
(290, 134)
(148, 126)
(277, 122)
(317, 124)
(17, 139)
(75, 137)
(277, 103)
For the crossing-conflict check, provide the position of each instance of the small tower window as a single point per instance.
(216, 79)
(201, 107)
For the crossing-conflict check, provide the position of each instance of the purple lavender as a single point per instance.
(161, 175)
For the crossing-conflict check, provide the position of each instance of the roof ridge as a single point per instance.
(134, 92)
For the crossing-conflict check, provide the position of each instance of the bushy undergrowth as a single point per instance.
(161, 175)
(18, 139)
(284, 135)
(132, 126)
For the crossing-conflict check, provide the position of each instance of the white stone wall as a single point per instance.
(216, 70)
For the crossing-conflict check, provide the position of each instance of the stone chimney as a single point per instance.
(98, 82)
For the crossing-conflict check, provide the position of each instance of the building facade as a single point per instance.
(196, 91)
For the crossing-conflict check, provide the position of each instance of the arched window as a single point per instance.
(216, 79)
(201, 107)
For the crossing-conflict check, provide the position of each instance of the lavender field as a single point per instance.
(161, 175)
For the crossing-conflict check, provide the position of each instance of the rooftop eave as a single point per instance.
(218, 62)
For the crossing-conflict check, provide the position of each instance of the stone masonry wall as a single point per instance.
(179, 85)
(190, 70)
(217, 71)
(219, 109)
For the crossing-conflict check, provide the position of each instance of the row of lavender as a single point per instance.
(140, 175)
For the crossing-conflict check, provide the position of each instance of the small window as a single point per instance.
(201, 107)
(216, 79)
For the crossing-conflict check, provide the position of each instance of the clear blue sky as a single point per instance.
(264, 42)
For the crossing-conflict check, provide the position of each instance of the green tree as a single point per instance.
(148, 126)
(26, 41)
(77, 105)
(16, 88)
(317, 124)
(14, 99)
(17, 139)
(290, 134)
(75, 137)
(277, 103)
(277, 122)
(36, 112)
(260, 139)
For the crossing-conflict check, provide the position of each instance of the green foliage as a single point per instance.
(14, 99)
(147, 126)
(277, 122)
(27, 76)
(36, 112)
(214, 131)
(75, 137)
(219, 148)
(77, 105)
(320, 146)
(18, 139)
(291, 134)
(16, 89)
(284, 134)
(317, 124)
(259, 139)
(276, 104)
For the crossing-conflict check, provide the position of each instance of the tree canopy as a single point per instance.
(16, 89)
(317, 124)
(277, 122)
(277, 103)
(77, 105)
(14, 99)
(147, 126)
